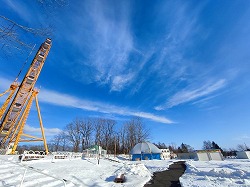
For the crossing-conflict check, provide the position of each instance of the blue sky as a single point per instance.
(183, 66)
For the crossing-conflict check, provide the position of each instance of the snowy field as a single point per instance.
(234, 172)
(78, 172)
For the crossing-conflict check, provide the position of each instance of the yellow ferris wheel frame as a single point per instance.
(15, 110)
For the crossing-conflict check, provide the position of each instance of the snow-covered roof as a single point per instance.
(145, 147)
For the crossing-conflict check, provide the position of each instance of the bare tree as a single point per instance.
(11, 35)
(64, 141)
(98, 128)
(59, 142)
(116, 143)
(242, 147)
(161, 145)
(74, 135)
(122, 139)
(172, 146)
(131, 135)
(133, 132)
(55, 143)
(207, 145)
(86, 129)
(142, 133)
(108, 133)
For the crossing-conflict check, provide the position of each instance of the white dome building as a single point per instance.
(145, 151)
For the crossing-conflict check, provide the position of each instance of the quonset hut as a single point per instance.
(145, 151)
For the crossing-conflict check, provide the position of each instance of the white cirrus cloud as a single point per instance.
(188, 95)
(37, 131)
(120, 81)
(60, 99)
(110, 42)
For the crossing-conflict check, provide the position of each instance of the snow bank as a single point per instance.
(217, 173)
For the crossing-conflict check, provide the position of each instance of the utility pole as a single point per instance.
(115, 147)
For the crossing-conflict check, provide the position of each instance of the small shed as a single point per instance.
(211, 154)
(145, 151)
(94, 152)
(243, 154)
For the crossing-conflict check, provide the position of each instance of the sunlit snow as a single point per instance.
(87, 172)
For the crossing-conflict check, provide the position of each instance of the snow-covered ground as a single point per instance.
(87, 172)
(234, 172)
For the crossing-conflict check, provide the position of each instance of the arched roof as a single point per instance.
(145, 147)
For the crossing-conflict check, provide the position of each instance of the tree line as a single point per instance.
(83, 133)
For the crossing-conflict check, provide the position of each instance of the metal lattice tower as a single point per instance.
(14, 112)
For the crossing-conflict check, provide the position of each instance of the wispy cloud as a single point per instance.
(4, 84)
(182, 27)
(120, 81)
(109, 41)
(188, 95)
(166, 63)
(111, 53)
(20, 9)
(56, 98)
(37, 131)
(60, 99)
(205, 100)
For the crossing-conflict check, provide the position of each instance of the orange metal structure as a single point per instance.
(14, 112)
